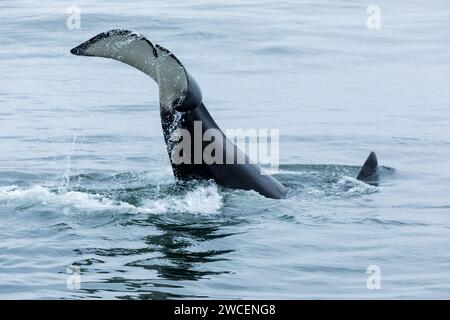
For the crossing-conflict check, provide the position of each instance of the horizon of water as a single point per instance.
(85, 180)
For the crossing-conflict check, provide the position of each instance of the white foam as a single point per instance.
(354, 185)
(293, 173)
(42, 196)
(201, 200)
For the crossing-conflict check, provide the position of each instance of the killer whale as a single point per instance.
(181, 106)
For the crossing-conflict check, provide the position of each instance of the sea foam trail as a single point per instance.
(38, 195)
(353, 185)
(202, 199)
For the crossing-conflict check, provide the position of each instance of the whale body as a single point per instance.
(182, 108)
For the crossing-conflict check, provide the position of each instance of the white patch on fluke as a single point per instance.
(133, 49)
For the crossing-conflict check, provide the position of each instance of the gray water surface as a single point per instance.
(85, 179)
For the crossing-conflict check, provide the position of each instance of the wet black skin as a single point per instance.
(239, 176)
(189, 108)
(370, 172)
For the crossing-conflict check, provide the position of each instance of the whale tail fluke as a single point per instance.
(181, 106)
(369, 172)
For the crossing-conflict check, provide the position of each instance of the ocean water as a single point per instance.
(86, 185)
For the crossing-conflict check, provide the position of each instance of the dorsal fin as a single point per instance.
(369, 172)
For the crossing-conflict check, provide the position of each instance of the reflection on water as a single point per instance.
(178, 248)
(174, 246)
(173, 252)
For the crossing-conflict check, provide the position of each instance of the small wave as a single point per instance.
(201, 200)
(38, 195)
(354, 186)
(293, 173)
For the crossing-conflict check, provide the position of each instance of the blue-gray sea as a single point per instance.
(85, 180)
